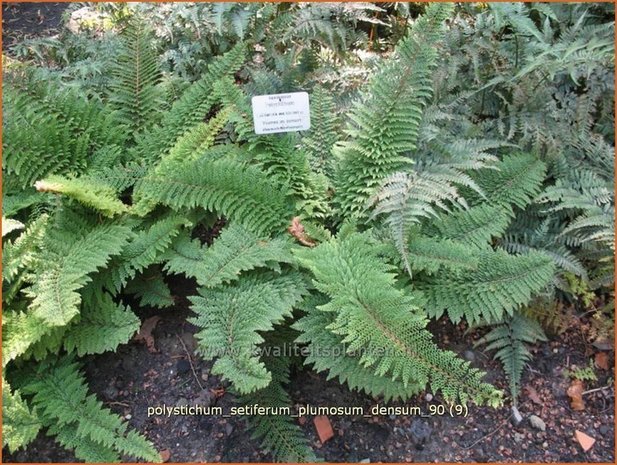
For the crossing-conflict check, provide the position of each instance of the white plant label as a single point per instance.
(281, 113)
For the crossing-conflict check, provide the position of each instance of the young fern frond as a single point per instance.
(509, 338)
(87, 192)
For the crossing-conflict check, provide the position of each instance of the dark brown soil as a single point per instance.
(134, 379)
(27, 20)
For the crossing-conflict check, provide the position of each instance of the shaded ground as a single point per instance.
(134, 379)
(27, 20)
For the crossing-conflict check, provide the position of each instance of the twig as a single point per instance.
(597, 389)
(188, 355)
(488, 435)
(122, 404)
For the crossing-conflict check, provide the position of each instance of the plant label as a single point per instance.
(281, 113)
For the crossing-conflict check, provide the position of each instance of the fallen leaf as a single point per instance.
(575, 393)
(145, 332)
(533, 395)
(323, 427)
(601, 360)
(165, 455)
(585, 441)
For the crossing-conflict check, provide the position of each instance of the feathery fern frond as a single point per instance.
(326, 352)
(134, 91)
(384, 125)
(237, 249)
(279, 435)
(87, 192)
(72, 254)
(324, 132)
(375, 317)
(509, 338)
(20, 425)
(231, 318)
(103, 325)
(151, 289)
(191, 108)
(60, 394)
(501, 284)
(240, 193)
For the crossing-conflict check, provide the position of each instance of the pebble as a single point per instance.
(365, 461)
(537, 422)
(469, 355)
(428, 397)
(516, 417)
(604, 430)
(518, 437)
(182, 402)
(128, 416)
(110, 392)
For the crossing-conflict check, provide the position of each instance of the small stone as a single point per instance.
(537, 422)
(204, 376)
(365, 461)
(182, 402)
(518, 437)
(469, 355)
(428, 397)
(183, 366)
(128, 416)
(392, 417)
(555, 350)
(604, 430)
(516, 417)
(544, 445)
(228, 429)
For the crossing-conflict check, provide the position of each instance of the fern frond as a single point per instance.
(103, 325)
(384, 322)
(135, 91)
(191, 108)
(326, 352)
(60, 393)
(66, 268)
(501, 284)
(475, 227)
(97, 196)
(516, 180)
(324, 132)
(240, 193)
(231, 318)
(20, 425)
(509, 339)
(151, 289)
(279, 435)
(237, 249)
(384, 125)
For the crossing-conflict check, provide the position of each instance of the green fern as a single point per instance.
(237, 249)
(20, 425)
(509, 338)
(231, 318)
(135, 91)
(60, 394)
(383, 322)
(384, 125)
(501, 284)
